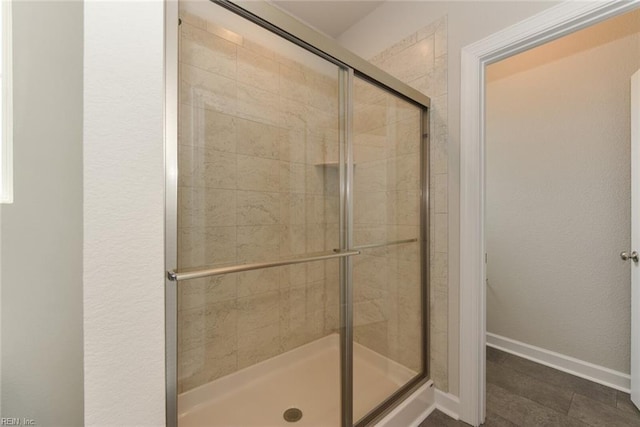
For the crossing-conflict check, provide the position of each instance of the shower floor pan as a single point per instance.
(306, 378)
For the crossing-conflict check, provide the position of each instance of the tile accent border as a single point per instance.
(571, 365)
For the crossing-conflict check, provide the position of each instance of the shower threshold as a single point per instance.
(305, 378)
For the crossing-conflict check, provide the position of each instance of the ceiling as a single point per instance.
(329, 16)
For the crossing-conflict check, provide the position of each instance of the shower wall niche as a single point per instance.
(301, 240)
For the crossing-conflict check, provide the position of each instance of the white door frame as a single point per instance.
(548, 25)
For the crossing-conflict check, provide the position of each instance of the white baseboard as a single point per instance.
(448, 404)
(580, 368)
(420, 405)
(413, 410)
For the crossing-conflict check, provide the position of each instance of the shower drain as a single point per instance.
(292, 415)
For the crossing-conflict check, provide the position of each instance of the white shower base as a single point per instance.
(307, 378)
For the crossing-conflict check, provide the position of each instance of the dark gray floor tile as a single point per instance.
(521, 393)
(624, 403)
(495, 356)
(598, 414)
(561, 379)
(439, 419)
(524, 412)
(556, 398)
(495, 420)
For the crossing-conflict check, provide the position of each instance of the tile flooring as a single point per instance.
(524, 393)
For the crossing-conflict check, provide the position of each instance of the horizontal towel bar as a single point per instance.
(379, 245)
(197, 274)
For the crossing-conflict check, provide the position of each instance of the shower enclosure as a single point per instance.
(297, 225)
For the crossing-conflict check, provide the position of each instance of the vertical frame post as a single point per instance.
(425, 245)
(171, 207)
(346, 242)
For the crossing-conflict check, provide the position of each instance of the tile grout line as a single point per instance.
(528, 374)
(530, 401)
(573, 395)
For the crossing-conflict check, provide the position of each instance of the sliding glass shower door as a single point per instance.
(258, 186)
(297, 270)
(389, 327)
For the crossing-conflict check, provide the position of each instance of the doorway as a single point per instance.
(558, 201)
(549, 25)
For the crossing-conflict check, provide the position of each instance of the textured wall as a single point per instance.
(258, 119)
(42, 230)
(123, 214)
(558, 193)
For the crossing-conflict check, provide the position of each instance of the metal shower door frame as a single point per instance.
(350, 67)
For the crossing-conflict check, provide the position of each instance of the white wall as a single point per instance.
(124, 213)
(41, 276)
(468, 21)
(558, 193)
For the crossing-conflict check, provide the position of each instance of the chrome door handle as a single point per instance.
(633, 256)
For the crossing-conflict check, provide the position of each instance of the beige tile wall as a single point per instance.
(387, 308)
(255, 128)
(420, 60)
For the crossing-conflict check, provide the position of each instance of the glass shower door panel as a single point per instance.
(387, 282)
(258, 182)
